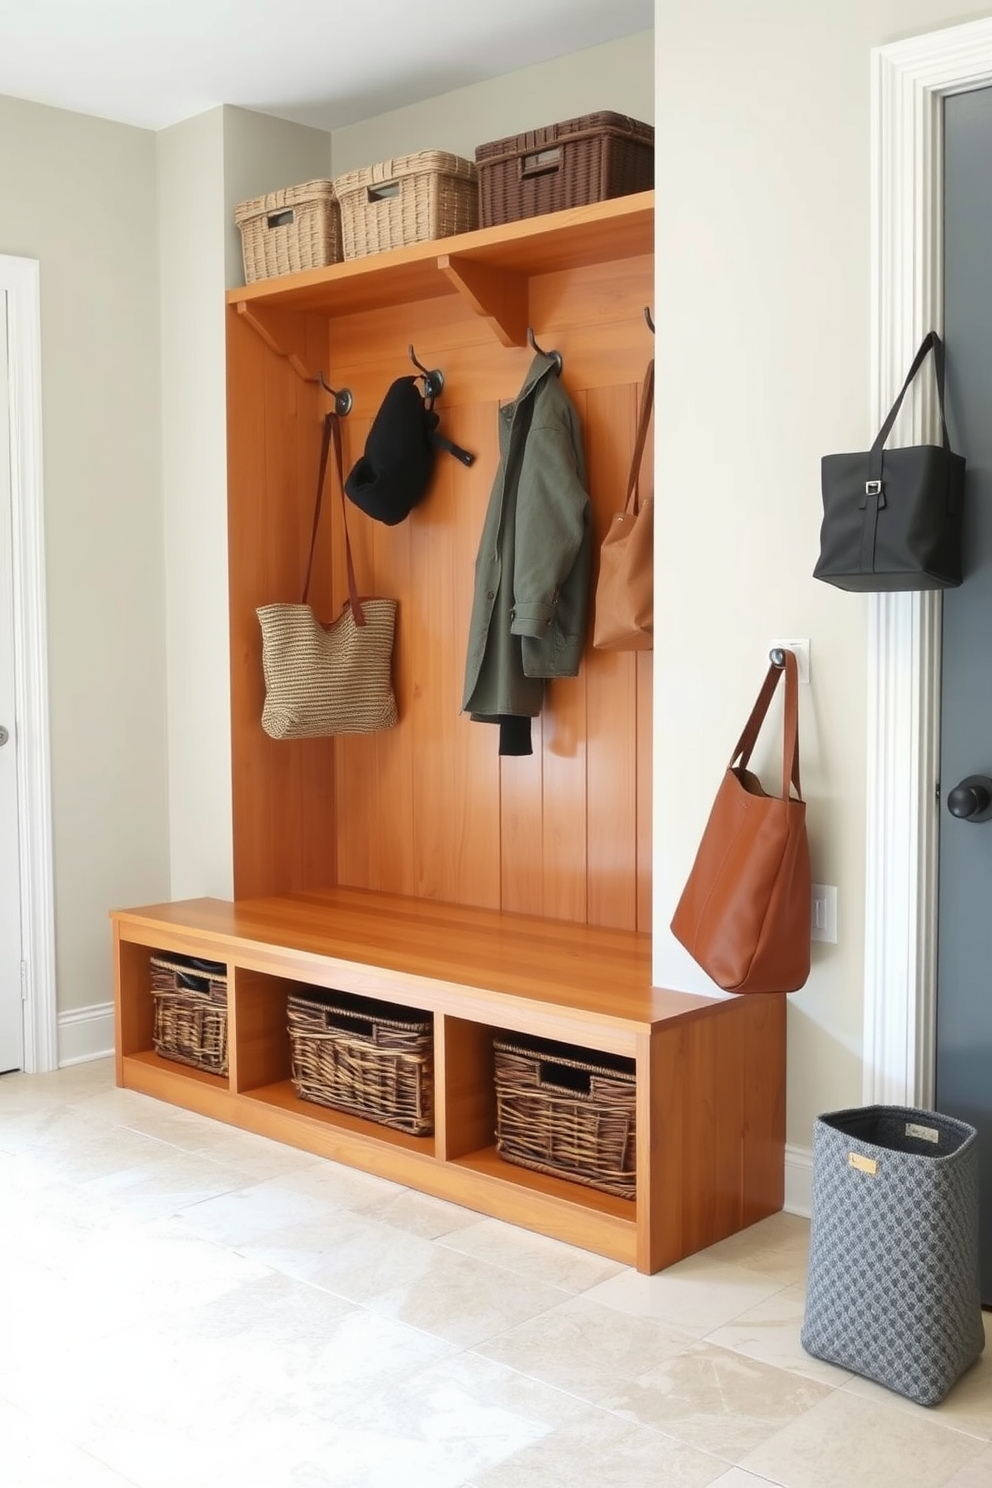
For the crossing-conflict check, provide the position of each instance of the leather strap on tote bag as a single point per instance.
(743, 915)
(328, 679)
(624, 602)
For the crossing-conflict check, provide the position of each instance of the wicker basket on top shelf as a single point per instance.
(286, 231)
(409, 199)
(571, 164)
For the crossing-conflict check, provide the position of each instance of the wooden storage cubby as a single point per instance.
(415, 865)
(710, 1092)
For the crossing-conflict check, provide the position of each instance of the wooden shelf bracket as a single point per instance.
(497, 294)
(342, 397)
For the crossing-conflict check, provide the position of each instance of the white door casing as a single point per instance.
(910, 79)
(20, 287)
(11, 1019)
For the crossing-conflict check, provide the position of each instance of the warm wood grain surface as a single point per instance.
(600, 974)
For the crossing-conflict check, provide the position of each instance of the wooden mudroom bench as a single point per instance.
(709, 1072)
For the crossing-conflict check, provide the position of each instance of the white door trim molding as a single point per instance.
(20, 278)
(909, 81)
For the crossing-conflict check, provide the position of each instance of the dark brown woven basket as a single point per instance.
(190, 1011)
(588, 159)
(369, 1058)
(567, 1111)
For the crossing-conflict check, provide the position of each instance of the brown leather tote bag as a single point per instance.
(744, 914)
(624, 604)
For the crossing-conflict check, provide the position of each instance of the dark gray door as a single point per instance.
(964, 955)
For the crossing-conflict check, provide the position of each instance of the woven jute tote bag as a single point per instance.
(328, 679)
(893, 1288)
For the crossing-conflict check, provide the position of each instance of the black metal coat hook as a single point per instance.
(647, 317)
(554, 355)
(433, 381)
(343, 400)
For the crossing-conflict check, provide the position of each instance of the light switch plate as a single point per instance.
(801, 650)
(823, 912)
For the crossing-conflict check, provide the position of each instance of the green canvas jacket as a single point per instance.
(533, 567)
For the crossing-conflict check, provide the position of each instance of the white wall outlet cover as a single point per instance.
(801, 651)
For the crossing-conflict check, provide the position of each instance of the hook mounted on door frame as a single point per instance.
(554, 355)
(433, 380)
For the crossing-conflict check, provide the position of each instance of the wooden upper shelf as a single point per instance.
(489, 268)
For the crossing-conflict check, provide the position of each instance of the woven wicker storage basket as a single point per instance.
(409, 199)
(567, 1111)
(588, 159)
(369, 1058)
(190, 999)
(296, 228)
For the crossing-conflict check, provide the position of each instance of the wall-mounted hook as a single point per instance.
(343, 400)
(777, 656)
(554, 355)
(647, 317)
(433, 381)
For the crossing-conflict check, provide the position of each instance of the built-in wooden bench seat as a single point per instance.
(710, 1092)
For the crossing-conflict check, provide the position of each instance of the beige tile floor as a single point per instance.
(185, 1304)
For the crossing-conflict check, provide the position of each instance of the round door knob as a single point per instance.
(971, 800)
(4, 735)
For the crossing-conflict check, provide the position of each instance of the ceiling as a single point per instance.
(321, 62)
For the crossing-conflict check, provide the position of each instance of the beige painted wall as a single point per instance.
(205, 166)
(78, 194)
(617, 76)
(763, 286)
(191, 227)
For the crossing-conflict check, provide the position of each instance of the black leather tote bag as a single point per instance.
(892, 518)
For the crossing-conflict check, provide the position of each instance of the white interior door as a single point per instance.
(11, 1016)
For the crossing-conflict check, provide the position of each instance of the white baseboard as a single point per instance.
(86, 1033)
(798, 1181)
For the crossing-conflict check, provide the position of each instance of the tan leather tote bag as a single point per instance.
(744, 914)
(624, 601)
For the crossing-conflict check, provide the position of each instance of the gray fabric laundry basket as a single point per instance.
(893, 1279)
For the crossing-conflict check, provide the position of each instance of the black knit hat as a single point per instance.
(395, 471)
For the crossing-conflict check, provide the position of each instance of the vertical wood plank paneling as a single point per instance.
(611, 688)
(522, 865)
(354, 754)
(245, 444)
(454, 761)
(565, 848)
(393, 575)
(429, 808)
(318, 847)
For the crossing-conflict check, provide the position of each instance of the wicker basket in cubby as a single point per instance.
(567, 1111)
(286, 231)
(369, 1058)
(588, 159)
(409, 199)
(190, 998)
